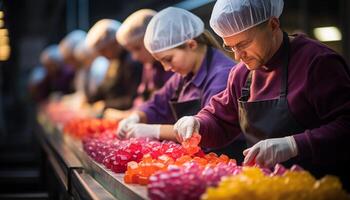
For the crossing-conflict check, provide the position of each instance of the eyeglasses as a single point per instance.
(239, 47)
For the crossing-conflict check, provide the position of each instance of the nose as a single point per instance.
(239, 55)
(167, 67)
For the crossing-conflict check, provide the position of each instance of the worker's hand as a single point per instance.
(98, 107)
(269, 152)
(123, 124)
(185, 127)
(143, 130)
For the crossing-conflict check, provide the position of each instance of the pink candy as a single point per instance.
(115, 154)
(188, 182)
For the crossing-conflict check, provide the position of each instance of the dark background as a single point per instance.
(34, 24)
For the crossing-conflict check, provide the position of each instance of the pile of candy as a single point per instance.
(189, 181)
(89, 127)
(139, 173)
(58, 113)
(253, 183)
(115, 153)
(189, 152)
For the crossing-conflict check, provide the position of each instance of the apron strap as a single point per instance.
(286, 56)
(284, 80)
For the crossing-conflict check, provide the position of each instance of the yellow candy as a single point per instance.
(253, 184)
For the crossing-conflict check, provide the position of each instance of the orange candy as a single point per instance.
(191, 144)
(140, 172)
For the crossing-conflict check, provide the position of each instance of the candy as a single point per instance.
(292, 184)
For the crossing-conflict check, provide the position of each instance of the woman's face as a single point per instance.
(139, 52)
(179, 60)
(255, 46)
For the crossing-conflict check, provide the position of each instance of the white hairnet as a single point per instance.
(230, 17)
(69, 42)
(170, 28)
(37, 75)
(51, 54)
(102, 33)
(134, 27)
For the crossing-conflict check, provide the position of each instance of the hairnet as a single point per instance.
(102, 33)
(170, 28)
(51, 54)
(230, 17)
(69, 42)
(134, 27)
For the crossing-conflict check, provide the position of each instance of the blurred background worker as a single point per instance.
(57, 76)
(289, 95)
(119, 88)
(94, 69)
(130, 35)
(178, 40)
(68, 45)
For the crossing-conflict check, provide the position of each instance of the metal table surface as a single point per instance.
(113, 182)
(80, 175)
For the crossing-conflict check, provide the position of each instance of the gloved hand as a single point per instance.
(123, 124)
(269, 152)
(143, 130)
(185, 127)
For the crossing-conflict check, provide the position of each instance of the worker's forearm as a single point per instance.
(167, 133)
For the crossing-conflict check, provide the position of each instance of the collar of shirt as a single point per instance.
(276, 60)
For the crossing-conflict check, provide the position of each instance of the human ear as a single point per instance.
(274, 23)
(192, 44)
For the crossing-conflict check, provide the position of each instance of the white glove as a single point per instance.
(143, 130)
(123, 124)
(186, 126)
(269, 152)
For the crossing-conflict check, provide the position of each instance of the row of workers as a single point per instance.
(286, 101)
(289, 95)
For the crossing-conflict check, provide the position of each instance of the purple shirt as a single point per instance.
(318, 98)
(61, 81)
(207, 82)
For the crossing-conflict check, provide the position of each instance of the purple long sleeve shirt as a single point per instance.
(318, 98)
(207, 82)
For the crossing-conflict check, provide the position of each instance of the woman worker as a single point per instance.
(289, 95)
(130, 35)
(123, 75)
(177, 39)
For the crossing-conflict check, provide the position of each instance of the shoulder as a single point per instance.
(311, 51)
(221, 63)
(221, 59)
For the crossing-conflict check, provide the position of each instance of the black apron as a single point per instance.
(260, 120)
(191, 107)
(264, 119)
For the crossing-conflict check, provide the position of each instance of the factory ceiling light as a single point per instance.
(327, 34)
